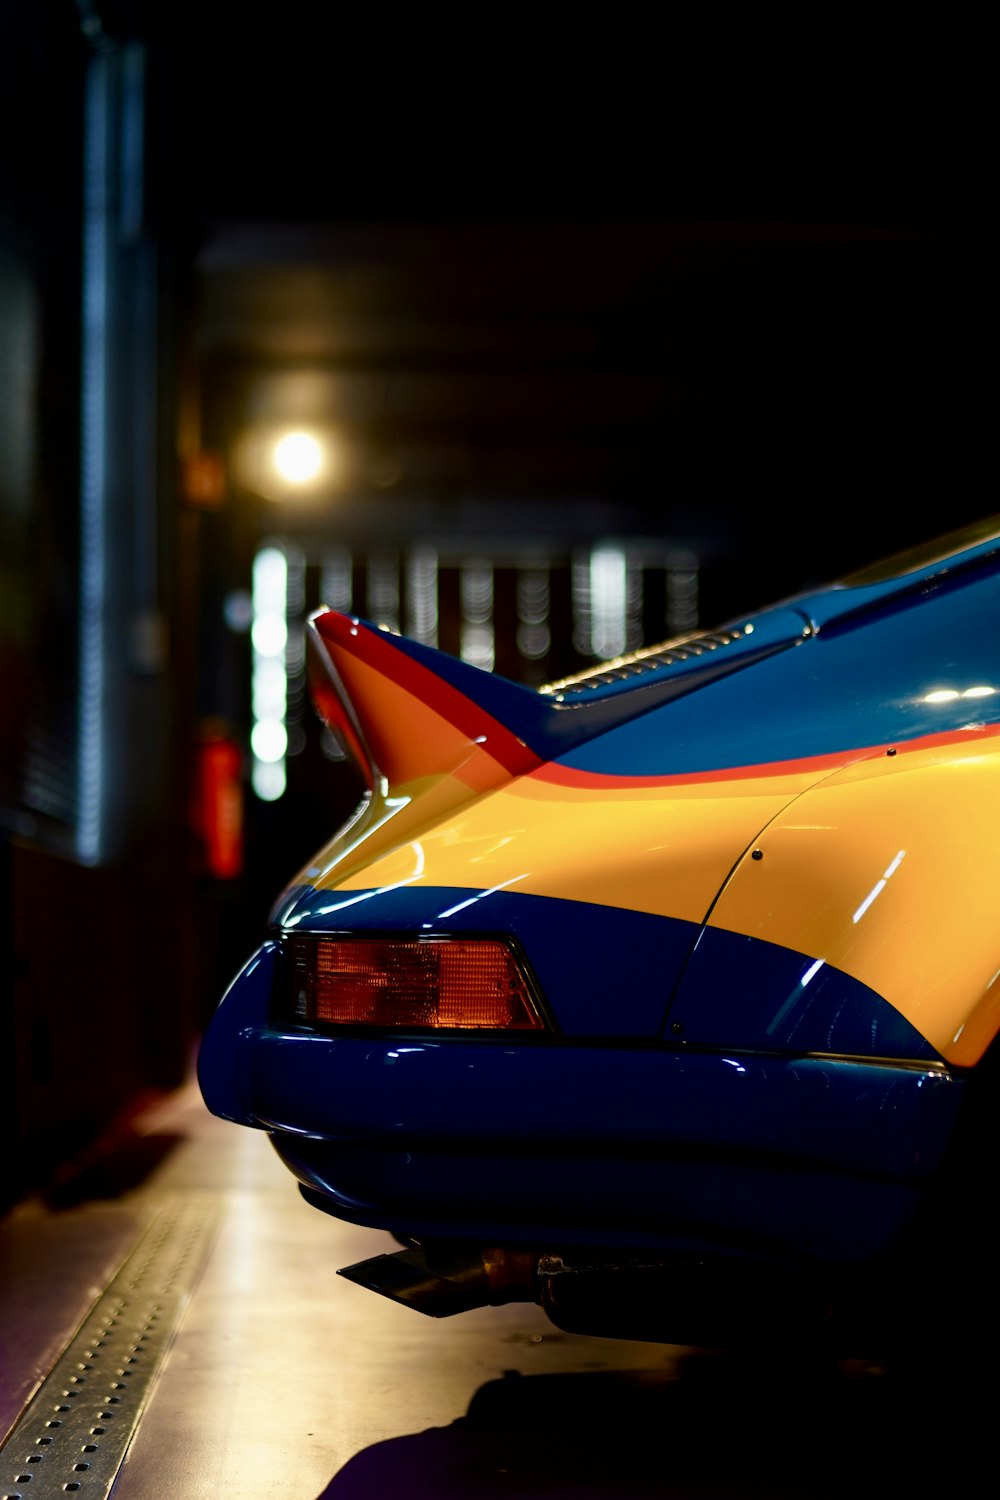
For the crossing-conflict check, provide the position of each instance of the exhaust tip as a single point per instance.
(439, 1281)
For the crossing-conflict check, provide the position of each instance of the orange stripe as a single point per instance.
(571, 776)
(378, 651)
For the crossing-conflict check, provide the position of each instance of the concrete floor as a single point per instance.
(270, 1376)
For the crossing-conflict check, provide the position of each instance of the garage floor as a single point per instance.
(172, 1325)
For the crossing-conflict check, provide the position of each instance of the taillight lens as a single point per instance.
(409, 983)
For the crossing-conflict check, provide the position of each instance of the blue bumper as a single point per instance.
(565, 1142)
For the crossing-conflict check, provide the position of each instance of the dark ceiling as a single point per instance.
(524, 262)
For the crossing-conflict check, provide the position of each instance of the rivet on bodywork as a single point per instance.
(757, 854)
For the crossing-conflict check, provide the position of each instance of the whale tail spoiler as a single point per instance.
(402, 711)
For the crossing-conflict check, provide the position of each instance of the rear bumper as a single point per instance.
(528, 1143)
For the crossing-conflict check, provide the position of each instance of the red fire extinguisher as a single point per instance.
(217, 811)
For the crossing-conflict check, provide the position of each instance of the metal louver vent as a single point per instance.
(639, 663)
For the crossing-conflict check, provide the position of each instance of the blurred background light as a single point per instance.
(279, 462)
(298, 457)
(269, 673)
(608, 636)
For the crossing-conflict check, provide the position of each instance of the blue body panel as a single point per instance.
(574, 950)
(885, 641)
(843, 689)
(737, 992)
(641, 1139)
(743, 992)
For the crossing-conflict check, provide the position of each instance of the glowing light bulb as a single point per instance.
(298, 457)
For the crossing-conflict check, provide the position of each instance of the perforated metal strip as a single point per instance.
(73, 1435)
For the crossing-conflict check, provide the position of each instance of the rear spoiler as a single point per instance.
(402, 710)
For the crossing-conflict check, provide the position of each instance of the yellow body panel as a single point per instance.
(879, 868)
(664, 850)
(883, 870)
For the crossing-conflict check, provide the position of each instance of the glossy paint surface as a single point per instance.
(883, 872)
(827, 799)
(902, 671)
(751, 877)
(878, 871)
(677, 1147)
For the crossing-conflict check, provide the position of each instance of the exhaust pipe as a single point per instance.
(681, 1300)
(440, 1280)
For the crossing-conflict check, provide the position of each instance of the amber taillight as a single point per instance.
(408, 983)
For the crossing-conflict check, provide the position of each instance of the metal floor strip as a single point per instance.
(74, 1432)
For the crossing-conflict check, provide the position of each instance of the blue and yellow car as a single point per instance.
(665, 996)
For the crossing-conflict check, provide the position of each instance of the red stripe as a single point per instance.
(377, 650)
